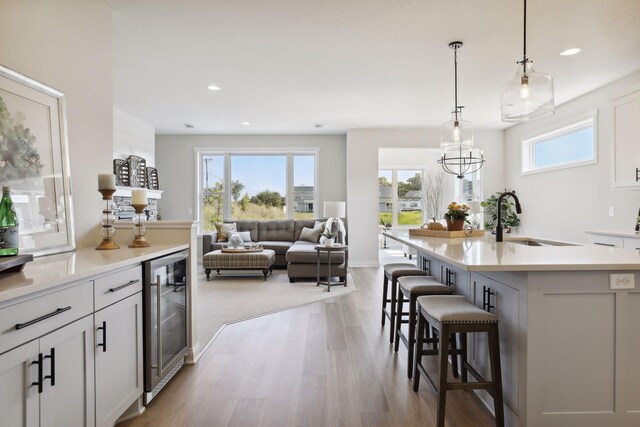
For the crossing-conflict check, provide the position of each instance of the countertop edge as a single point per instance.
(33, 290)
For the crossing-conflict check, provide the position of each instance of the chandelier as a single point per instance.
(456, 135)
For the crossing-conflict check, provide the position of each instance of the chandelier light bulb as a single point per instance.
(456, 131)
(524, 88)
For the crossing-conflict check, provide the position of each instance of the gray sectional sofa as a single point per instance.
(283, 236)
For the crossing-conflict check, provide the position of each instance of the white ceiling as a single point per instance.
(285, 65)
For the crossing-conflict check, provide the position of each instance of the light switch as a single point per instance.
(610, 210)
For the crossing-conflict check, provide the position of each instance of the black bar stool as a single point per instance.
(393, 272)
(455, 315)
(411, 287)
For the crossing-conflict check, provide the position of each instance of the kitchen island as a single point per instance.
(568, 341)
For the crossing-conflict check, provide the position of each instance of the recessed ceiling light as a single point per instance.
(213, 87)
(571, 51)
(188, 125)
(245, 123)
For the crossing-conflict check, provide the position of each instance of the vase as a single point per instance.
(455, 225)
(329, 242)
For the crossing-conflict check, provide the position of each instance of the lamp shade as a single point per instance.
(335, 209)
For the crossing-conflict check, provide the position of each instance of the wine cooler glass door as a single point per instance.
(168, 316)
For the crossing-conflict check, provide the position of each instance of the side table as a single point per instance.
(330, 250)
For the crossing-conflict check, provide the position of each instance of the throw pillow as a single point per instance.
(319, 224)
(245, 236)
(224, 230)
(310, 234)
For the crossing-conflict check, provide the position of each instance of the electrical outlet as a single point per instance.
(611, 212)
(621, 281)
(189, 211)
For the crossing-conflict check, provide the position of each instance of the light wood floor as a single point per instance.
(324, 364)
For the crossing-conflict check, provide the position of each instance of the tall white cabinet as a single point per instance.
(626, 151)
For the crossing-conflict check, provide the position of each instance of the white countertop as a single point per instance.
(631, 234)
(485, 254)
(50, 271)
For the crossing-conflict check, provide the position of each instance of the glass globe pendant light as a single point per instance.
(529, 94)
(456, 135)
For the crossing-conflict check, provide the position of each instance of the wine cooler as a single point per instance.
(166, 312)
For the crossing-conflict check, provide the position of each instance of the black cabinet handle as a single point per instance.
(604, 244)
(38, 362)
(41, 318)
(450, 279)
(486, 298)
(133, 282)
(51, 377)
(637, 174)
(103, 328)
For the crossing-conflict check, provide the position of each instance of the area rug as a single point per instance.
(232, 297)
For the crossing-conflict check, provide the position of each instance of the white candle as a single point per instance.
(106, 181)
(139, 197)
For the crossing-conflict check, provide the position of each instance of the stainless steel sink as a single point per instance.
(535, 242)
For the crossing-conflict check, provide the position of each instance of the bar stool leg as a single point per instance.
(418, 351)
(454, 355)
(385, 291)
(463, 365)
(443, 365)
(496, 374)
(411, 339)
(392, 317)
(399, 307)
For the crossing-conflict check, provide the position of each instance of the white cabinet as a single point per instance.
(118, 358)
(49, 381)
(67, 397)
(503, 301)
(602, 240)
(19, 399)
(631, 243)
(626, 150)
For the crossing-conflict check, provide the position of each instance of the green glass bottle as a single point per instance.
(8, 225)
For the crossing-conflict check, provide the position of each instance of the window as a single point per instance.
(569, 146)
(255, 185)
(400, 197)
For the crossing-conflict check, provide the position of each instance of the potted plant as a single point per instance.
(330, 237)
(456, 216)
(509, 217)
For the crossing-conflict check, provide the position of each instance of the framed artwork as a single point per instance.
(34, 162)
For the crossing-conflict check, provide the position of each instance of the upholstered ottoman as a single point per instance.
(217, 260)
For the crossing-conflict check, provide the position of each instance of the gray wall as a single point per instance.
(563, 204)
(66, 44)
(175, 160)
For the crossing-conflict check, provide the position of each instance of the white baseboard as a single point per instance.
(373, 264)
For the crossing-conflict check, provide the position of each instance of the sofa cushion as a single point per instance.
(302, 253)
(247, 225)
(299, 224)
(225, 230)
(310, 234)
(279, 247)
(277, 230)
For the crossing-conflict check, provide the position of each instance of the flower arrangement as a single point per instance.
(456, 211)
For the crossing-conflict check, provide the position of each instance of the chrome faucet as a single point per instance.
(499, 207)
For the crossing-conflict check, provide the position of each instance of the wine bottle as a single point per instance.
(8, 225)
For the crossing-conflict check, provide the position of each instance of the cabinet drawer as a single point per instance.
(611, 241)
(39, 316)
(117, 286)
(631, 243)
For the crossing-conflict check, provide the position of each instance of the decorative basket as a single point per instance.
(152, 179)
(137, 172)
(121, 171)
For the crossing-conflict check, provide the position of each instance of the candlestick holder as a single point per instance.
(139, 230)
(108, 218)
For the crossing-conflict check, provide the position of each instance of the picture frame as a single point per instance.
(34, 162)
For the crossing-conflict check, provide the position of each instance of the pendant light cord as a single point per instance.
(524, 45)
(455, 79)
